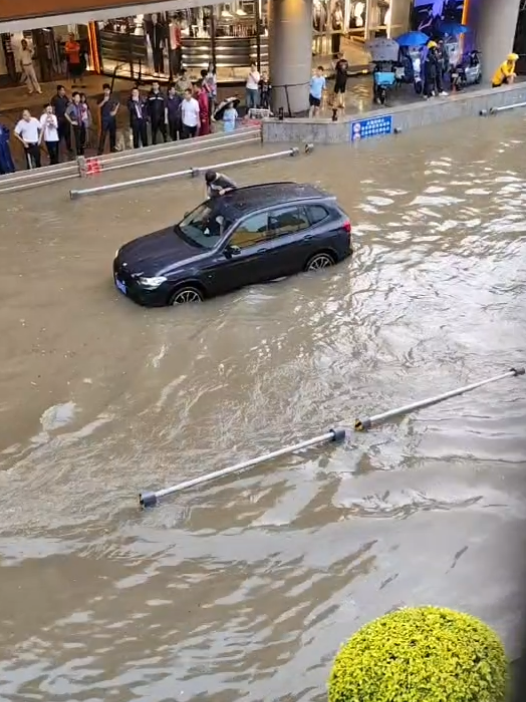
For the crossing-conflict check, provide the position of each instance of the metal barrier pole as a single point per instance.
(504, 108)
(191, 152)
(240, 162)
(366, 424)
(150, 499)
(75, 194)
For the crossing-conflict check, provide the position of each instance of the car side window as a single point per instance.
(287, 220)
(316, 213)
(250, 232)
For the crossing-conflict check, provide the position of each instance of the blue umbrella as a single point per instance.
(412, 39)
(454, 29)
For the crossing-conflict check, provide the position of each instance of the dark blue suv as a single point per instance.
(247, 236)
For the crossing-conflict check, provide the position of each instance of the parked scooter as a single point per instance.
(468, 72)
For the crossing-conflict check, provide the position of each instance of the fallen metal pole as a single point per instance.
(366, 424)
(180, 154)
(240, 162)
(150, 499)
(503, 108)
(74, 194)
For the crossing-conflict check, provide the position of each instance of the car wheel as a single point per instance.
(319, 261)
(187, 293)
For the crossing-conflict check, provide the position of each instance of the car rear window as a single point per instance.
(316, 213)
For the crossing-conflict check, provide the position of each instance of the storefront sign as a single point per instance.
(375, 126)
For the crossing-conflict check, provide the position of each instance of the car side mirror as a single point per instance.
(232, 250)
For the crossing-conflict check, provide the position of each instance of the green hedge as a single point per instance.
(423, 654)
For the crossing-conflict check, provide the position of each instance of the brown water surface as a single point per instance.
(245, 589)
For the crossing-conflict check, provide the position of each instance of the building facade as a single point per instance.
(284, 37)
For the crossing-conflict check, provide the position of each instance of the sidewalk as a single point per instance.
(14, 100)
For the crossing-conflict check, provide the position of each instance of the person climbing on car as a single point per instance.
(506, 72)
(218, 184)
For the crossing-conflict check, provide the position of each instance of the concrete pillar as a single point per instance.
(290, 54)
(493, 23)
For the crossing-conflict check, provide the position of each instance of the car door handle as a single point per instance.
(261, 251)
(308, 237)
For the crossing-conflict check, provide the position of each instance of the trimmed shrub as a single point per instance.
(421, 654)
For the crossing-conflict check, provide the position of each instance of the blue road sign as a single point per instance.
(372, 127)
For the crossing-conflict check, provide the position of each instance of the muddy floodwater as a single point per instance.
(244, 590)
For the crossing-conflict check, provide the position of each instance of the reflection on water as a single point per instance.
(245, 589)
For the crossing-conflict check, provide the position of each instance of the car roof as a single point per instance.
(265, 195)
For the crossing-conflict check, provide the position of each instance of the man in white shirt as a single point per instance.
(189, 115)
(252, 88)
(28, 131)
(49, 134)
(26, 63)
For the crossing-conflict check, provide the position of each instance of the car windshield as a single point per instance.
(203, 227)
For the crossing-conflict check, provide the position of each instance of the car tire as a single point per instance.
(186, 294)
(319, 261)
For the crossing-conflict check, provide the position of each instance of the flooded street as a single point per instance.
(244, 590)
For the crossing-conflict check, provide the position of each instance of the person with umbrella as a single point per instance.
(227, 113)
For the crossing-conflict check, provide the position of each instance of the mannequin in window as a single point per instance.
(383, 9)
(337, 28)
(357, 18)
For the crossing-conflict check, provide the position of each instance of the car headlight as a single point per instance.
(151, 283)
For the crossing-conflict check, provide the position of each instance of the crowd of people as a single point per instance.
(184, 110)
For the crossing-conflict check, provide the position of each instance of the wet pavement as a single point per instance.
(244, 590)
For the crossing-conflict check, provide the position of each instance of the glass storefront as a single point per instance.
(231, 36)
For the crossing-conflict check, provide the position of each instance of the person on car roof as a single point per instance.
(218, 184)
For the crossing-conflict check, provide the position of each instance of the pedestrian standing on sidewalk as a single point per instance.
(252, 87)
(157, 112)
(6, 160)
(28, 131)
(28, 69)
(189, 115)
(77, 116)
(340, 82)
(203, 99)
(89, 122)
(60, 103)
(137, 110)
(173, 113)
(108, 107)
(49, 134)
(265, 91)
(73, 58)
(317, 88)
